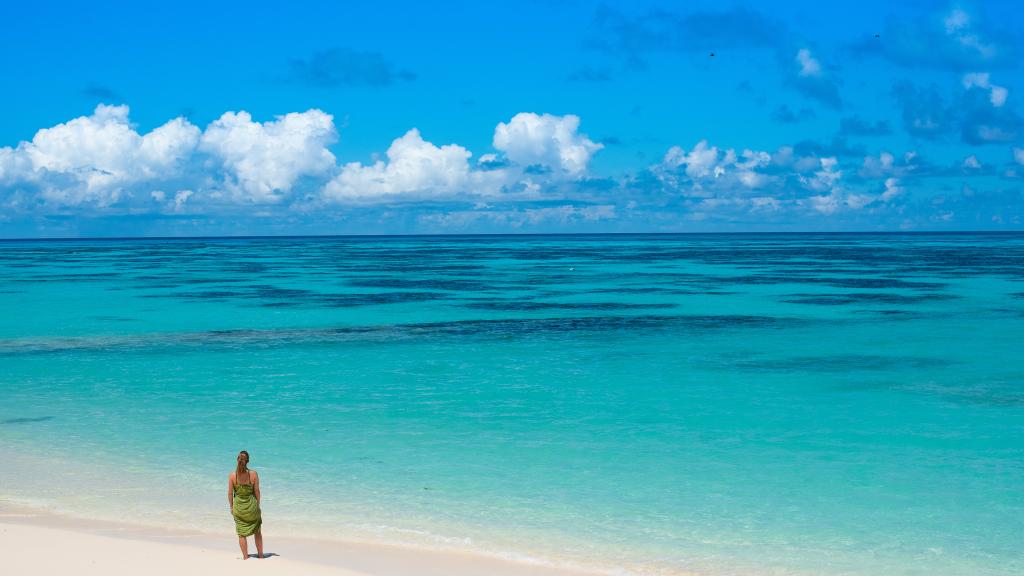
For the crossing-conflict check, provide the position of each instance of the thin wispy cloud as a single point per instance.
(102, 93)
(347, 67)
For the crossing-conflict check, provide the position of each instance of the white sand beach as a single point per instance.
(41, 544)
(29, 550)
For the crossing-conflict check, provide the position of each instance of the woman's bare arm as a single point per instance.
(231, 485)
(255, 485)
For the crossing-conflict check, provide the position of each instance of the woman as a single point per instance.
(244, 499)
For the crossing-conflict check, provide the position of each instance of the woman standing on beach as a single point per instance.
(244, 499)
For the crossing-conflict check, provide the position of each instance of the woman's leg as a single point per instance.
(259, 544)
(244, 546)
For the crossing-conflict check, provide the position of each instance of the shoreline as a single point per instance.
(89, 510)
(42, 542)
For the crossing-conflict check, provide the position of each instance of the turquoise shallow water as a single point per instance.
(722, 404)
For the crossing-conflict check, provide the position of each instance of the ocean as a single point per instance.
(826, 404)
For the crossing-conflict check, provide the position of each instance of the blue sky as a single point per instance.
(455, 117)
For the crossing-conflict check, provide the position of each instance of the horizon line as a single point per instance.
(513, 234)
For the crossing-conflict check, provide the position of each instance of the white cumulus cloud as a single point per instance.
(700, 161)
(545, 139)
(827, 180)
(102, 162)
(91, 158)
(414, 166)
(13, 164)
(708, 166)
(264, 160)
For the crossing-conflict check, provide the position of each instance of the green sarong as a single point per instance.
(246, 511)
